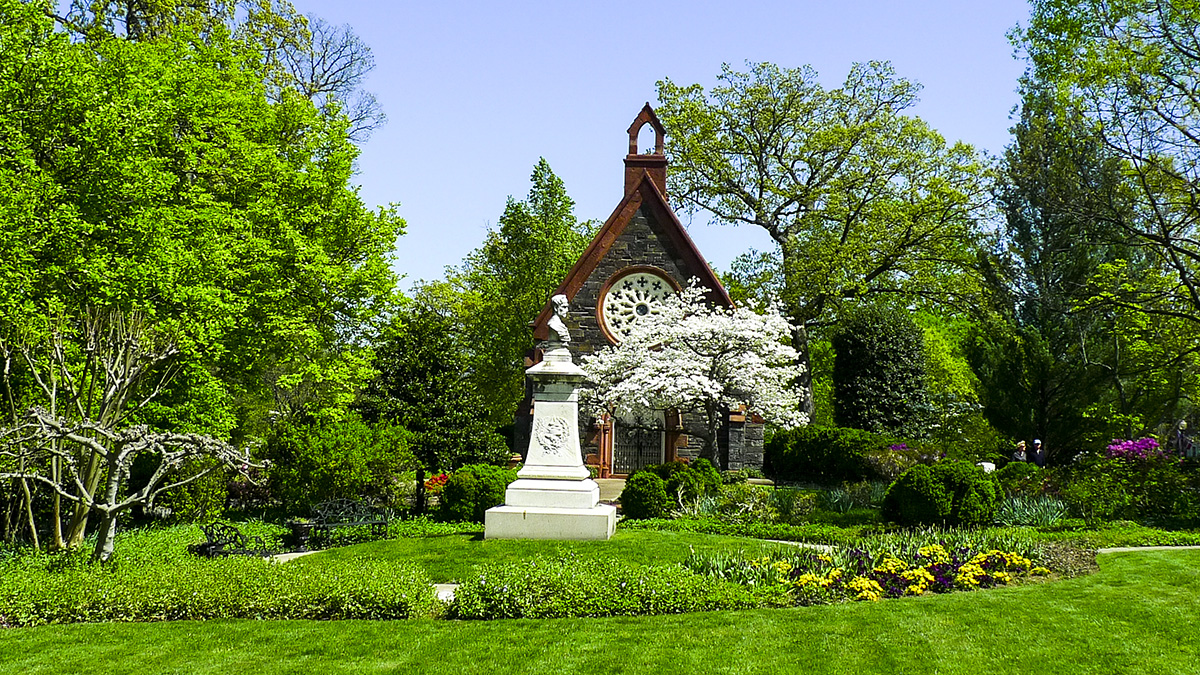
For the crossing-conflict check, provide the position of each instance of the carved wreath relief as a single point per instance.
(632, 297)
(553, 434)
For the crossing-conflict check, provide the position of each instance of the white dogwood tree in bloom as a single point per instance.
(693, 357)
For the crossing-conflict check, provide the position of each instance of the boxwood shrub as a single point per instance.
(645, 496)
(951, 492)
(685, 482)
(472, 490)
(571, 586)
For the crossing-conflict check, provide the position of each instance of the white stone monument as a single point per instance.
(553, 496)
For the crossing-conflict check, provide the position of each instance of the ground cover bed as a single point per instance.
(1137, 614)
(638, 572)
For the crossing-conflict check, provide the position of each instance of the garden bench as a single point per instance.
(225, 539)
(331, 515)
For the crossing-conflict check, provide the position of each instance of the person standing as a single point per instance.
(1019, 455)
(1038, 456)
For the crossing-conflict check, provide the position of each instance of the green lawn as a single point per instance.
(1139, 614)
(451, 557)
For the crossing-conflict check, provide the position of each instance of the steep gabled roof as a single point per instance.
(645, 195)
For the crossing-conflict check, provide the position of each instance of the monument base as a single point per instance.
(563, 494)
(548, 522)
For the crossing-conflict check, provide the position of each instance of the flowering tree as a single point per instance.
(692, 357)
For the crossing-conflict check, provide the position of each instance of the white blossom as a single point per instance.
(698, 358)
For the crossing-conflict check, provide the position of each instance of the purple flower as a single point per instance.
(1139, 449)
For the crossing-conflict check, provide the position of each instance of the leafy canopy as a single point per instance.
(158, 176)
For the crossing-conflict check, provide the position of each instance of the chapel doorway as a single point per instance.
(636, 445)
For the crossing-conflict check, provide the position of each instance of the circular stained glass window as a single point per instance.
(630, 297)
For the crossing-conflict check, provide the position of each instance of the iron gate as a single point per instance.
(635, 448)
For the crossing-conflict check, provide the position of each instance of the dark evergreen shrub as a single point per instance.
(827, 455)
(879, 373)
(472, 490)
(645, 496)
(1018, 478)
(951, 492)
(917, 497)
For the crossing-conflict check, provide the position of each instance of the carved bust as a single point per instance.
(559, 335)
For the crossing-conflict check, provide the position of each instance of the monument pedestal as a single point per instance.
(554, 496)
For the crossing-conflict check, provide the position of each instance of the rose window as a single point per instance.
(632, 297)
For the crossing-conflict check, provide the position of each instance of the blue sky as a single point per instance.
(475, 92)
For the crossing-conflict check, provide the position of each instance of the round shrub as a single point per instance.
(687, 482)
(645, 496)
(1018, 478)
(916, 497)
(709, 473)
(952, 492)
(472, 490)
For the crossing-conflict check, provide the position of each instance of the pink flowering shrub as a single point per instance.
(1140, 449)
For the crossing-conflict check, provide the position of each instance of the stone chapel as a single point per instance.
(641, 255)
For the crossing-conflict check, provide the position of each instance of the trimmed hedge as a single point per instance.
(826, 455)
(951, 492)
(569, 586)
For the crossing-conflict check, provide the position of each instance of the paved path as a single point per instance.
(1134, 549)
(610, 488)
(284, 557)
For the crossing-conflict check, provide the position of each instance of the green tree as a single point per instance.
(1059, 361)
(423, 386)
(158, 177)
(1131, 68)
(297, 53)
(861, 199)
(502, 285)
(879, 373)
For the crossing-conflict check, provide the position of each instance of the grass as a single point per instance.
(1137, 615)
(451, 557)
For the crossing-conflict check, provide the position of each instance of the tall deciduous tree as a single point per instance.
(157, 176)
(860, 198)
(502, 285)
(1132, 69)
(327, 64)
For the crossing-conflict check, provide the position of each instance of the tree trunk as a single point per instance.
(804, 361)
(712, 414)
(28, 498)
(108, 524)
(79, 519)
(419, 505)
(104, 538)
